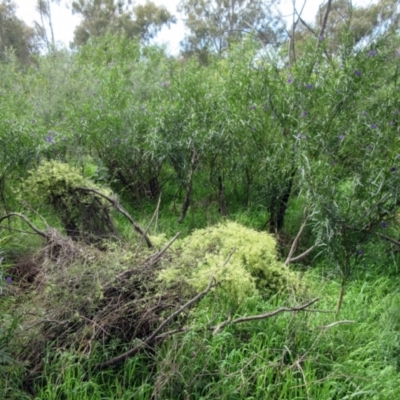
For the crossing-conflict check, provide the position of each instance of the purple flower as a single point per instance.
(358, 72)
(360, 252)
(393, 169)
(372, 53)
(50, 139)
(374, 126)
(321, 38)
(341, 137)
(304, 113)
(309, 86)
(9, 280)
(290, 80)
(384, 224)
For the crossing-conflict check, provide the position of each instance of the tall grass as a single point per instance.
(291, 356)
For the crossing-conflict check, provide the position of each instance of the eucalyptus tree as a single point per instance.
(15, 34)
(348, 25)
(215, 24)
(43, 7)
(141, 21)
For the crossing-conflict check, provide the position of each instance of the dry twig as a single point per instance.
(153, 336)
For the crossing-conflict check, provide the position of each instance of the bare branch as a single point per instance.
(346, 321)
(324, 22)
(264, 316)
(151, 221)
(33, 227)
(389, 239)
(296, 240)
(122, 211)
(302, 255)
(290, 257)
(156, 257)
(308, 27)
(217, 328)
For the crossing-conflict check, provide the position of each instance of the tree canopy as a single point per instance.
(15, 34)
(348, 25)
(215, 24)
(135, 21)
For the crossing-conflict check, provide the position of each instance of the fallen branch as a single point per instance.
(149, 262)
(157, 256)
(217, 328)
(122, 211)
(153, 336)
(346, 321)
(388, 238)
(33, 227)
(270, 314)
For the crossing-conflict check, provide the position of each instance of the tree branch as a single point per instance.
(302, 255)
(346, 321)
(324, 22)
(33, 227)
(296, 240)
(389, 239)
(290, 257)
(217, 328)
(122, 211)
(149, 262)
(270, 314)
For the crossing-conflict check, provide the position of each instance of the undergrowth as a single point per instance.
(289, 356)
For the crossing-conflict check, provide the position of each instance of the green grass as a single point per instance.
(286, 357)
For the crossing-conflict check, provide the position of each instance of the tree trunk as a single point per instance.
(188, 187)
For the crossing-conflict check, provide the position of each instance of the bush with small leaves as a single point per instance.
(252, 268)
(83, 214)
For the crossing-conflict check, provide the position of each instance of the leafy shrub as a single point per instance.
(83, 214)
(252, 269)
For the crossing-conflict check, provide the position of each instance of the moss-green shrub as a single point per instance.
(252, 269)
(83, 214)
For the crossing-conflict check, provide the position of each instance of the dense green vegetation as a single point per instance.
(282, 180)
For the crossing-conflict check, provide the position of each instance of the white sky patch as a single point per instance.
(64, 22)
